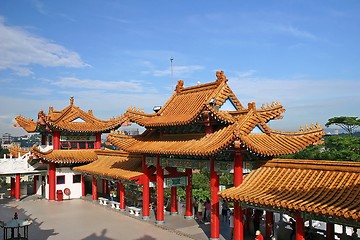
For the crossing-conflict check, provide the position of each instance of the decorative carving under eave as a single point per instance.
(179, 86)
(220, 77)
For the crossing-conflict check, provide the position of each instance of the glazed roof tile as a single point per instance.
(186, 104)
(71, 119)
(268, 144)
(15, 150)
(115, 165)
(65, 156)
(318, 187)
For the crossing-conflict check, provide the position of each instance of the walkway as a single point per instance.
(87, 220)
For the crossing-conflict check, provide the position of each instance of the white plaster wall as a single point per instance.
(75, 188)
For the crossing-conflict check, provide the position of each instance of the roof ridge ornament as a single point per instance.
(71, 100)
(179, 86)
(220, 77)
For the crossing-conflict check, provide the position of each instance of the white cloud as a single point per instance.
(72, 82)
(20, 49)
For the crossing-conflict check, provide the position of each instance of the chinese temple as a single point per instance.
(68, 138)
(206, 127)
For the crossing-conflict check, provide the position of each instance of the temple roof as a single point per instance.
(71, 119)
(114, 164)
(186, 104)
(65, 156)
(316, 187)
(16, 150)
(268, 143)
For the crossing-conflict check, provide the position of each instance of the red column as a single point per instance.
(238, 178)
(94, 189)
(83, 185)
(146, 190)
(269, 219)
(330, 231)
(43, 139)
(12, 186)
(35, 184)
(121, 190)
(160, 192)
(52, 181)
(98, 141)
(17, 186)
(188, 210)
(56, 140)
(214, 189)
(300, 233)
(173, 210)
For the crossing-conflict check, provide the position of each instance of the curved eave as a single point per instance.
(114, 165)
(278, 144)
(27, 124)
(86, 127)
(207, 145)
(65, 156)
(316, 187)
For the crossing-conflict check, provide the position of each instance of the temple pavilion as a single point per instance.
(206, 127)
(69, 138)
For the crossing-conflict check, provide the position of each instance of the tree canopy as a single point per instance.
(349, 124)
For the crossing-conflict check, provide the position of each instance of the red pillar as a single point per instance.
(35, 184)
(188, 210)
(83, 185)
(52, 181)
(214, 189)
(12, 186)
(160, 192)
(56, 140)
(146, 190)
(121, 190)
(300, 233)
(94, 189)
(330, 231)
(17, 186)
(269, 219)
(238, 178)
(97, 144)
(173, 210)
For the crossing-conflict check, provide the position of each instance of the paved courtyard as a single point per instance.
(87, 220)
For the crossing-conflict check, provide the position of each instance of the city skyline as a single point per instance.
(113, 55)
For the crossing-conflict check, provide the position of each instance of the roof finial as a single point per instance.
(71, 100)
(220, 77)
(179, 86)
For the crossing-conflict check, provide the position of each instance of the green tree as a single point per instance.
(349, 124)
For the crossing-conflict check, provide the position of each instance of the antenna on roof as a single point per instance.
(171, 73)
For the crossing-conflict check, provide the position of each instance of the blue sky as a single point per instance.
(111, 55)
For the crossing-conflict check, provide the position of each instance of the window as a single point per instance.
(77, 178)
(82, 145)
(65, 145)
(60, 179)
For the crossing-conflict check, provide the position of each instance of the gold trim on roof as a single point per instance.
(65, 156)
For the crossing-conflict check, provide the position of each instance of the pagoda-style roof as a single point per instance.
(15, 151)
(319, 187)
(71, 119)
(65, 156)
(186, 104)
(115, 165)
(267, 143)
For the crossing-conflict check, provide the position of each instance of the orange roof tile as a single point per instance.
(65, 156)
(15, 150)
(317, 187)
(186, 104)
(271, 143)
(71, 119)
(114, 164)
